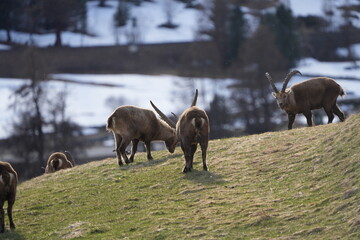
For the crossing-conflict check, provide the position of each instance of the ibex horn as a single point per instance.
(163, 116)
(271, 82)
(175, 116)
(288, 77)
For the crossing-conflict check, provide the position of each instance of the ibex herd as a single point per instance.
(134, 124)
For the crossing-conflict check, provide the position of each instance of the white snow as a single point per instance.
(307, 7)
(101, 26)
(86, 103)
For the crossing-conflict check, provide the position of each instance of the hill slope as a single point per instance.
(299, 184)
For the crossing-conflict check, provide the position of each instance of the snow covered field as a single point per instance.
(100, 24)
(86, 103)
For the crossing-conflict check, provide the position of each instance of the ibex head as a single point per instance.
(282, 97)
(171, 144)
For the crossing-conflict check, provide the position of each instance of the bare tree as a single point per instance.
(169, 8)
(251, 94)
(40, 125)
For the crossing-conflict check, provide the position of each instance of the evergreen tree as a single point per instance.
(61, 15)
(10, 11)
(236, 33)
(122, 14)
(228, 28)
(252, 102)
(284, 28)
(220, 118)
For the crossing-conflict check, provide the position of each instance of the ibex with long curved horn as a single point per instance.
(192, 128)
(314, 93)
(134, 124)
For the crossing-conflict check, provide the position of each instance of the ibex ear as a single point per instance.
(289, 91)
(274, 94)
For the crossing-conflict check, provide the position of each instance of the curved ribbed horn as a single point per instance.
(175, 116)
(271, 82)
(163, 116)
(288, 77)
(195, 98)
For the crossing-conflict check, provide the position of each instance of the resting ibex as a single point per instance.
(314, 93)
(134, 124)
(58, 161)
(8, 183)
(192, 128)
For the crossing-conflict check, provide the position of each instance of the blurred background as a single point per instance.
(65, 65)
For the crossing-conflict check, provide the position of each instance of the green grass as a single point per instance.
(298, 184)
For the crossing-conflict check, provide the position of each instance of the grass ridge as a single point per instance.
(298, 184)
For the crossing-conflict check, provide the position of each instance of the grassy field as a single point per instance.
(298, 184)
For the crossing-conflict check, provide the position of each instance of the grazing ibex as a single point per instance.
(314, 93)
(8, 183)
(192, 128)
(58, 161)
(134, 124)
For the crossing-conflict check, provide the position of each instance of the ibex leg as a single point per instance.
(123, 145)
(291, 118)
(9, 211)
(118, 140)
(148, 150)
(308, 116)
(203, 151)
(339, 113)
(330, 114)
(187, 155)
(134, 149)
(2, 220)
(193, 150)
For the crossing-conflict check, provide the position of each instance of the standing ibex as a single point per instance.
(192, 128)
(8, 183)
(134, 124)
(58, 161)
(314, 93)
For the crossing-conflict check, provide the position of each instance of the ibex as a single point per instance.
(8, 183)
(134, 124)
(314, 93)
(58, 161)
(192, 128)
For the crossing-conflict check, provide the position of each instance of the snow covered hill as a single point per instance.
(87, 103)
(100, 23)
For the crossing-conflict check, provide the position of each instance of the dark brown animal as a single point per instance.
(58, 161)
(134, 124)
(192, 128)
(8, 184)
(314, 93)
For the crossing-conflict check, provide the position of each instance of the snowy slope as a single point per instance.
(100, 24)
(149, 15)
(87, 103)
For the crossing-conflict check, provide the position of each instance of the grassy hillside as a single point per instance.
(299, 184)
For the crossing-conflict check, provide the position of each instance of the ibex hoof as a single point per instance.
(205, 168)
(186, 169)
